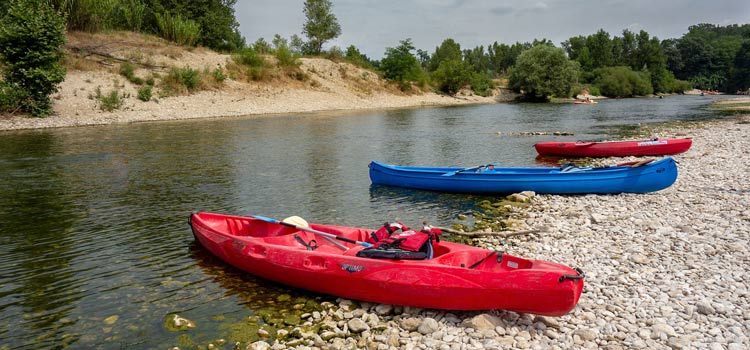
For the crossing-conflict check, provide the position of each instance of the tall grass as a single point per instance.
(180, 30)
(133, 12)
(88, 15)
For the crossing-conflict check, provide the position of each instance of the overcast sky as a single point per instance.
(373, 25)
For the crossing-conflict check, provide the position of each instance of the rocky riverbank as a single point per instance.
(665, 270)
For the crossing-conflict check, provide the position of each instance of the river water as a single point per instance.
(95, 250)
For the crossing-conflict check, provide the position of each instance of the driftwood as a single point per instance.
(93, 51)
(503, 234)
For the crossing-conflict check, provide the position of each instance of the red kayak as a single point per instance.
(653, 147)
(455, 277)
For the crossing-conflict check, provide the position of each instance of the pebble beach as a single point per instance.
(664, 270)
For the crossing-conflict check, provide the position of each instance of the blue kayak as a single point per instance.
(635, 177)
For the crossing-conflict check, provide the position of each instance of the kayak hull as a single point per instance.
(447, 281)
(651, 177)
(655, 147)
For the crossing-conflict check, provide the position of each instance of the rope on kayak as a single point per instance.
(580, 276)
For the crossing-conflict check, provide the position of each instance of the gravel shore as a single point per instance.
(338, 86)
(665, 270)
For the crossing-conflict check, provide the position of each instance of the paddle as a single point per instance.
(300, 222)
(451, 173)
(321, 233)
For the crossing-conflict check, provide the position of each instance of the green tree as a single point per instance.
(31, 37)
(477, 59)
(399, 64)
(321, 24)
(449, 50)
(354, 56)
(261, 46)
(628, 48)
(740, 78)
(577, 49)
(296, 44)
(543, 71)
(707, 55)
(600, 48)
(503, 56)
(451, 76)
(622, 82)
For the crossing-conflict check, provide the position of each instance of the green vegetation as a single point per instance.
(321, 25)
(622, 82)
(183, 31)
(181, 81)
(400, 65)
(451, 76)
(109, 101)
(127, 70)
(633, 64)
(355, 57)
(638, 62)
(210, 23)
(31, 36)
(543, 71)
(144, 93)
(712, 57)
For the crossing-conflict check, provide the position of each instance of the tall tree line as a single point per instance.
(712, 57)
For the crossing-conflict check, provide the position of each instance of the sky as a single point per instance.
(374, 25)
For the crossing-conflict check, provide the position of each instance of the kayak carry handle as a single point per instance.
(580, 276)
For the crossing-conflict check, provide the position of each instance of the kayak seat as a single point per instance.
(461, 258)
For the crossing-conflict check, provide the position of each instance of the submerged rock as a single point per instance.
(177, 323)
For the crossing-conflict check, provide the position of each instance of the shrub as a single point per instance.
(186, 77)
(248, 57)
(252, 65)
(144, 93)
(680, 86)
(355, 57)
(451, 76)
(127, 70)
(622, 82)
(481, 84)
(182, 81)
(31, 36)
(110, 101)
(218, 75)
(286, 59)
(335, 54)
(11, 97)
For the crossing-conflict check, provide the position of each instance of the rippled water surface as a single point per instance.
(95, 250)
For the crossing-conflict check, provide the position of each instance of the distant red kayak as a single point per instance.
(456, 277)
(653, 147)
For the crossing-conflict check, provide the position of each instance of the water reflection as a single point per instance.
(436, 207)
(36, 271)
